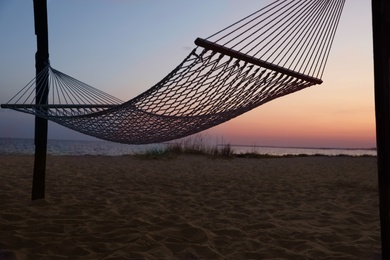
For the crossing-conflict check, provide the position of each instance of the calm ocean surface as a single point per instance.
(69, 147)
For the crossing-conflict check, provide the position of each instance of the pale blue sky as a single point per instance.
(123, 47)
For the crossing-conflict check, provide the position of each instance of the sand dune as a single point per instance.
(190, 207)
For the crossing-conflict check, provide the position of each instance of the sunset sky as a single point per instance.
(123, 47)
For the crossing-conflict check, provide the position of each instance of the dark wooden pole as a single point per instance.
(41, 61)
(381, 40)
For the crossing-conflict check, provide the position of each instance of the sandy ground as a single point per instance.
(190, 207)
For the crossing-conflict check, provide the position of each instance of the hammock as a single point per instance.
(277, 50)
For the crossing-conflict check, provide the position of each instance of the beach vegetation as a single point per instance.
(202, 144)
(192, 145)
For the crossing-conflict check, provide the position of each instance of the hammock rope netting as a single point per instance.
(278, 50)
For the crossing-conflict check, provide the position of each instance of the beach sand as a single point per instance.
(190, 207)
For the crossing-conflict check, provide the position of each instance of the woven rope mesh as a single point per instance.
(211, 86)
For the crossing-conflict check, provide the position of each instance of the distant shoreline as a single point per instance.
(197, 145)
(235, 145)
(300, 147)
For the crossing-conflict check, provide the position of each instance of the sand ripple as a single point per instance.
(190, 207)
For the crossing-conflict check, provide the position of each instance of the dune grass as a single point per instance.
(210, 146)
(193, 145)
(201, 145)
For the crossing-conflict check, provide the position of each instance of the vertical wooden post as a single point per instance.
(381, 40)
(41, 61)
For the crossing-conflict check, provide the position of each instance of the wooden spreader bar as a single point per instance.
(244, 57)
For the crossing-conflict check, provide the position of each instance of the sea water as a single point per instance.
(280, 151)
(75, 147)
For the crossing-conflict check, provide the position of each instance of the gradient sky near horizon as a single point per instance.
(123, 47)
